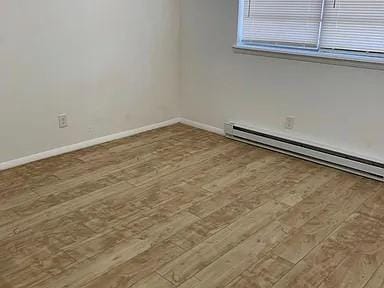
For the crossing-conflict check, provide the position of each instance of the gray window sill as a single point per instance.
(333, 58)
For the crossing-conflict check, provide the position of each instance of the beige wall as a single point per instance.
(115, 65)
(334, 105)
(111, 65)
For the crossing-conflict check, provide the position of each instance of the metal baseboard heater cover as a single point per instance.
(353, 164)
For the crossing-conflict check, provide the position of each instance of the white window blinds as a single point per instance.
(346, 25)
(282, 22)
(354, 25)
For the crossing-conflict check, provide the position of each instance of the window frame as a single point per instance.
(368, 60)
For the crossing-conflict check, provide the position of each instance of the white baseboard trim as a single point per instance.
(97, 141)
(85, 144)
(202, 126)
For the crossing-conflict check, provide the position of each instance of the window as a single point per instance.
(344, 29)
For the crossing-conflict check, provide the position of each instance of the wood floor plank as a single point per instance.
(377, 280)
(145, 172)
(314, 203)
(62, 209)
(153, 281)
(320, 226)
(138, 268)
(365, 237)
(30, 247)
(317, 265)
(374, 206)
(353, 272)
(218, 166)
(348, 258)
(241, 189)
(217, 220)
(208, 251)
(113, 271)
(297, 192)
(150, 152)
(83, 274)
(92, 246)
(182, 207)
(222, 271)
(243, 170)
(262, 274)
(4, 284)
(53, 195)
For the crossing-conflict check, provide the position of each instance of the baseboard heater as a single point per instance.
(357, 165)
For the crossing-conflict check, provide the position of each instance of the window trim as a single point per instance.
(320, 55)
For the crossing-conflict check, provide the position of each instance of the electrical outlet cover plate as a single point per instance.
(63, 121)
(290, 123)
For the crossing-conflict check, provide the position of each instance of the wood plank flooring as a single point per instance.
(181, 207)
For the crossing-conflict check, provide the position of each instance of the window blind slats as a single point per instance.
(354, 25)
(348, 25)
(288, 22)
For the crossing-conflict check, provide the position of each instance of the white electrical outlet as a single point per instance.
(289, 123)
(63, 120)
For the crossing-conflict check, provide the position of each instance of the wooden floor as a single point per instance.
(180, 207)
